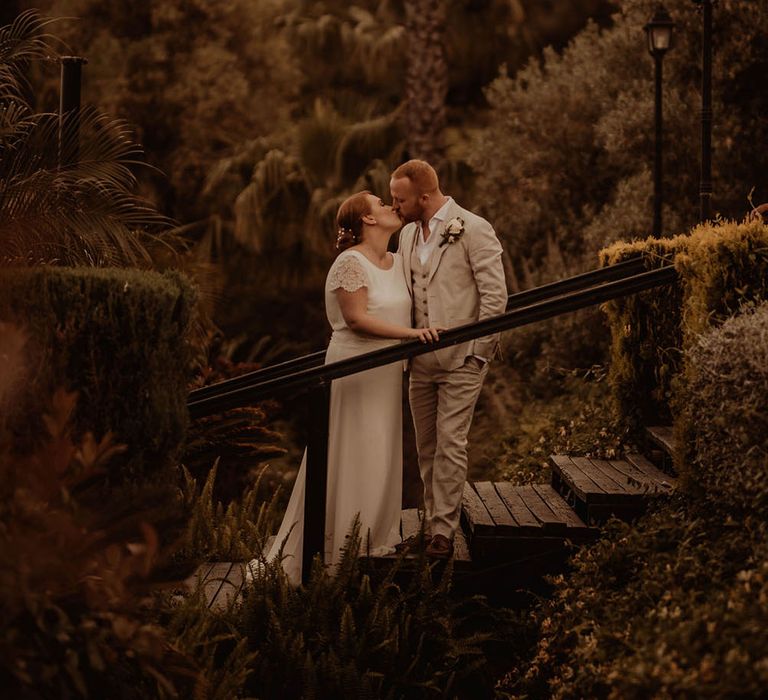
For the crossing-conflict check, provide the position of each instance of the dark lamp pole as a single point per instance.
(659, 31)
(705, 181)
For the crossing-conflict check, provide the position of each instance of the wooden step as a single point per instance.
(663, 436)
(505, 521)
(598, 488)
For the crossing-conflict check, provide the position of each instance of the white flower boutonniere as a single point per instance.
(454, 230)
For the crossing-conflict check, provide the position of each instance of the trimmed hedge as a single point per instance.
(721, 267)
(117, 337)
(723, 416)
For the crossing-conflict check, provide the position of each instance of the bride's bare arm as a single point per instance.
(354, 308)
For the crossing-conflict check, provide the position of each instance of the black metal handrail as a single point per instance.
(514, 301)
(307, 377)
(318, 379)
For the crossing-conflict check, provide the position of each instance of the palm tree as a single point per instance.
(426, 79)
(348, 139)
(82, 212)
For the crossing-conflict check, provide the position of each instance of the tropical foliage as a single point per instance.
(75, 567)
(64, 210)
(262, 117)
(358, 634)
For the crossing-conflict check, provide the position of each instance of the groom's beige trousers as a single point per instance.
(442, 403)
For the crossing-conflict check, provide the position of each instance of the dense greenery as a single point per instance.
(567, 153)
(721, 267)
(723, 414)
(117, 337)
(670, 606)
(579, 418)
(56, 208)
(355, 633)
(674, 605)
(263, 115)
(76, 567)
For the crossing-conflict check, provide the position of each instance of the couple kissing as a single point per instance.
(447, 272)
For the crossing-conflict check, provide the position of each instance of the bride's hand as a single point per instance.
(426, 335)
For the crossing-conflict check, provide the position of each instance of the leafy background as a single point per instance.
(256, 119)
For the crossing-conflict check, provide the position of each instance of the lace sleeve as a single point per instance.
(347, 273)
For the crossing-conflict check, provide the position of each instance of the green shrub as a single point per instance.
(721, 266)
(543, 352)
(118, 338)
(723, 409)
(672, 606)
(580, 420)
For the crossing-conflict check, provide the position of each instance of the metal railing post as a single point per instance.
(316, 484)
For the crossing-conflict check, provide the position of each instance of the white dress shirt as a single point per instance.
(425, 248)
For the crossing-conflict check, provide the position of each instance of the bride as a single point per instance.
(369, 307)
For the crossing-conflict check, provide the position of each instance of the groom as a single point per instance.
(452, 263)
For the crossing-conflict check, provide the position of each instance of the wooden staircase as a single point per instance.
(518, 533)
(513, 535)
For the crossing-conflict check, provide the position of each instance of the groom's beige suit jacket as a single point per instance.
(465, 282)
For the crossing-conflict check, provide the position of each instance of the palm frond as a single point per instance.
(81, 212)
(22, 41)
(365, 141)
(375, 42)
(266, 209)
(66, 186)
(318, 138)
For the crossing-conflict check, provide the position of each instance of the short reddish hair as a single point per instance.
(420, 173)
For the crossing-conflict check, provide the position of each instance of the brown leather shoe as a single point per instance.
(440, 548)
(414, 543)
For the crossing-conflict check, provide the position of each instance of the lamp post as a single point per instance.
(659, 31)
(705, 181)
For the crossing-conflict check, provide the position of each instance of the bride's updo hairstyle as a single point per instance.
(349, 220)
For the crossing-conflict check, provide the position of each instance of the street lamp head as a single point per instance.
(659, 31)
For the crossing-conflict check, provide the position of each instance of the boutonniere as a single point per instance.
(454, 230)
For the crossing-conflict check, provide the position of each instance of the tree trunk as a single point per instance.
(426, 79)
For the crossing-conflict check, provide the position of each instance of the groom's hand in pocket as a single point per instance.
(476, 361)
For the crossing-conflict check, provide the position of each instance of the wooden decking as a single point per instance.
(512, 535)
(598, 489)
(506, 522)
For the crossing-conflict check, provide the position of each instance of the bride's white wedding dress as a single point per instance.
(365, 429)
